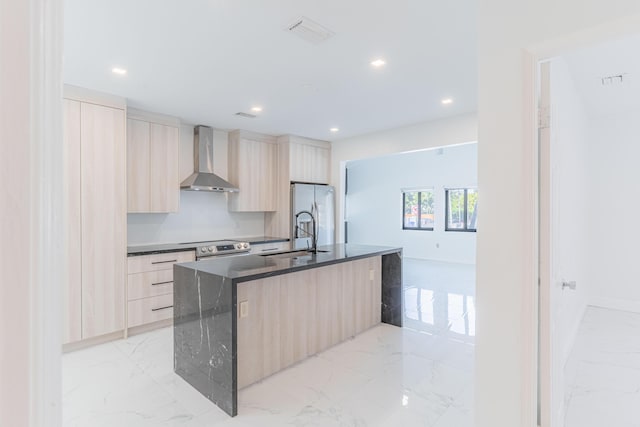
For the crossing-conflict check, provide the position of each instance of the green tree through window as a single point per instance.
(418, 209)
(461, 209)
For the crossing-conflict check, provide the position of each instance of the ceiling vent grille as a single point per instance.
(309, 30)
(613, 80)
(245, 115)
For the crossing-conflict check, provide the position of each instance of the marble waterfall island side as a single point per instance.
(240, 319)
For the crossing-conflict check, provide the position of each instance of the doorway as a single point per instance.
(589, 310)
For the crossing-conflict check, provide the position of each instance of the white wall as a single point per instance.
(374, 201)
(506, 337)
(614, 233)
(438, 133)
(571, 207)
(202, 215)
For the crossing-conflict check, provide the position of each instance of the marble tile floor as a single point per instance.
(419, 375)
(603, 371)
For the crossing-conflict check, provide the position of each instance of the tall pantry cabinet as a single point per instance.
(95, 143)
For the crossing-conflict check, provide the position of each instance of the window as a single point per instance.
(418, 210)
(461, 209)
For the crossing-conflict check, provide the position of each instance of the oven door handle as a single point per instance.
(219, 255)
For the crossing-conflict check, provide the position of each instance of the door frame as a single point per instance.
(537, 396)
(31, 394)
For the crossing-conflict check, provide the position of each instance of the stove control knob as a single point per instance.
(210, 248)
(245, 245)
(203, 250)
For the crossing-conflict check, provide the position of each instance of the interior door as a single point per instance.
(566, 200)
(544, 305)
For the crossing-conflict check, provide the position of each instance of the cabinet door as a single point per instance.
(72, 291)
(253, 166)
(164, 176)
(103, 203)
(138, 197)
(268, 162)
(309, 163)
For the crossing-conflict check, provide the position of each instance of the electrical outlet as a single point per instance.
(244, 309)
(371, 274)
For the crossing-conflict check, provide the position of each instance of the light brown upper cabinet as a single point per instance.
(299, 160)
(95, 153)
(153, 175)
(253, 165)
(308, 161)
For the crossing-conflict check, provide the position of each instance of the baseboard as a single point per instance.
(118, 335)
(616, 304)
(90, 342)
(150, 327)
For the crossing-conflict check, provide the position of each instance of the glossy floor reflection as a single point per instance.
(419, 375)
(603, 371)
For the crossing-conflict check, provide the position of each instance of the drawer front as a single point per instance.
(147, 310)
(155, 262)
(269, 247)
(149, 284)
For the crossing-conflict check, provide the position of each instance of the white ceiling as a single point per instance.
(205, 60)
(589, 65)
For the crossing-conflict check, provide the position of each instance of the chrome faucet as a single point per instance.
(312, 234)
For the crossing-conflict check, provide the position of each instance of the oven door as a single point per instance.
(218, 256)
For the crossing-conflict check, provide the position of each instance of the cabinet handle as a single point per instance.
(164, 262)
(161, 283)
(270, 249)
(162, 308)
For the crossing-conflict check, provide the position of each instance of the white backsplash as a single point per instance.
(202, 216)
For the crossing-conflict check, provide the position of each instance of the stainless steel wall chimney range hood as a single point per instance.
(203, 179)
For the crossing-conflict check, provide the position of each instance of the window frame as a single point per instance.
(466, 229)
(419, 227)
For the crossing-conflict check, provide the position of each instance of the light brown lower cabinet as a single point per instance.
(150, 286)
(285, 319)
(149, 310)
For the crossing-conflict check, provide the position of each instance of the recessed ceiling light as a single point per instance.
(119, 71)
(334, 130)
(256, 109)
(447, 101)
(378, 63)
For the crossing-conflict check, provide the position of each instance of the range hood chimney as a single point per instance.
(203, 179)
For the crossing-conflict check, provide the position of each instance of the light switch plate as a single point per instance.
(244, 309)
(371, 274)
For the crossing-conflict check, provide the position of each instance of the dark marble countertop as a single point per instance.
(189, 246)
(252, 267)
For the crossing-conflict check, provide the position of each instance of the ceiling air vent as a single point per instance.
(613, 80)
(309, 30)
(245, 115)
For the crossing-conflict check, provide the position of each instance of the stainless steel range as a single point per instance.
(221, 248)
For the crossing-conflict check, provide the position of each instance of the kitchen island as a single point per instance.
(240, 319)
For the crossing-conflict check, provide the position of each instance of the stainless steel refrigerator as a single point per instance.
(319, 200)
